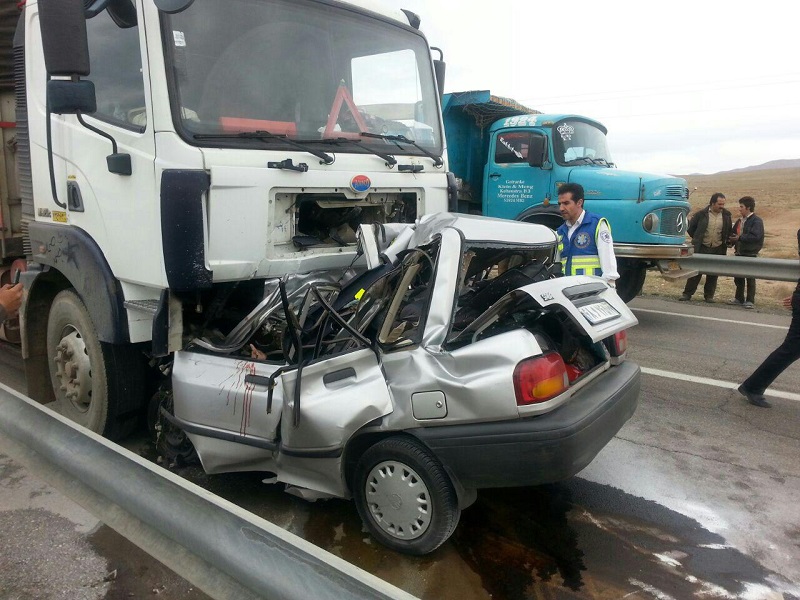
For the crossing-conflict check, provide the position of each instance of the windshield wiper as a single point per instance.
(390, 160)
(437, 160)
(327, 159)
(584, 158)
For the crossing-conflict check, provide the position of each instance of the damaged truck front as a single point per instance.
(458, 359)
(210, 146)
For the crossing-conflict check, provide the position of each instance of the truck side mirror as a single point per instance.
(173, 6)
(66, 49)
(439, 69)
(538, 145)
(66, 97)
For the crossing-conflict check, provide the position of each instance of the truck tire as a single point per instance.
(630, 282)
(404, 496)
(88, 376)
(550, 219)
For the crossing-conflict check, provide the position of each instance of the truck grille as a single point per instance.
(677, 191)
(673, 222)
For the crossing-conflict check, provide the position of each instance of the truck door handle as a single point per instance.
(494, 175)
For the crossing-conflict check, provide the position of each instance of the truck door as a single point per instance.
(511, 184)
(117, 210)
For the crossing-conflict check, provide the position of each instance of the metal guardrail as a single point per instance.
(776, 269)
(222, 549)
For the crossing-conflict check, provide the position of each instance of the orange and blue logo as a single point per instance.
(360, 184)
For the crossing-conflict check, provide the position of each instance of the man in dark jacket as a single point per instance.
(748, 237)
(784, 355)
(709, 229)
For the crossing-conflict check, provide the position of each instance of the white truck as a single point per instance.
(173, 154)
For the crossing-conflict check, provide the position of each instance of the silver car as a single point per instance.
(456, 358)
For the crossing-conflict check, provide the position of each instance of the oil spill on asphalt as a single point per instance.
(596, 541)
(576, 539)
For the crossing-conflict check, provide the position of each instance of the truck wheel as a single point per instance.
(79, 369)
(630, 282)
(405, 497)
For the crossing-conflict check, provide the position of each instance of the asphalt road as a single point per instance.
(695, 497)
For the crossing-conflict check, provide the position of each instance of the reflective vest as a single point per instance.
(579, 254)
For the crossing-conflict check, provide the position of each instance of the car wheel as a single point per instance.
(405, 497)
(79, 369)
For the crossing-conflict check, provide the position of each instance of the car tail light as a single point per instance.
(540, 379)
(573, 373)
(618, 344)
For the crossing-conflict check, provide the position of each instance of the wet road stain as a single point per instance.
(573, 540)
(598, 542)
(132, 573)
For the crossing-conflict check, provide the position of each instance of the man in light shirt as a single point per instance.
(709, 229)
(584, 240)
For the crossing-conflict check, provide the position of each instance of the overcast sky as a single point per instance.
(683, 86)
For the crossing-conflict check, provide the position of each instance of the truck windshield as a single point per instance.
(302, 70)
(580, 143)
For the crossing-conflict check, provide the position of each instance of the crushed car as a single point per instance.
(455, 358)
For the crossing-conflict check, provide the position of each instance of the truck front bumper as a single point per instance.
(653, 251)
(542, 449)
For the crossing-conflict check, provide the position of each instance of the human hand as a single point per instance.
(11, 298)
(256, 353)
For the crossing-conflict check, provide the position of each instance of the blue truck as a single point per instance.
(509, 162)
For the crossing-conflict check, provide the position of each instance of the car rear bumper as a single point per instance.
(542, 449)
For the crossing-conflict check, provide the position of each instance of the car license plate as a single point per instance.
(599, 312)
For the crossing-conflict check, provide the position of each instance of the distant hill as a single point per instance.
(788, 163)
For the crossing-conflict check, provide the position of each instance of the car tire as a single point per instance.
(404, 496)
(86, 388)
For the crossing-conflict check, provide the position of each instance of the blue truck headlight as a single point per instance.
(651, 222)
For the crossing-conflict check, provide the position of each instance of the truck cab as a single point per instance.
(512, 167)
(173, 154)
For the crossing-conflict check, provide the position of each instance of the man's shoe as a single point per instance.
(709, 299)
(684, 298)
(734, 302)
(754, 399)
(749, 305)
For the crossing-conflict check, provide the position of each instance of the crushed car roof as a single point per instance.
(483, 229)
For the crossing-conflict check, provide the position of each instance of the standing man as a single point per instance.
(709, 229)
(748, 237)
(784, 355)
(584, 240)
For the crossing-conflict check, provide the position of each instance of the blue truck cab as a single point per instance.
(511, 160)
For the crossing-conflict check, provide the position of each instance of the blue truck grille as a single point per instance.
(673, 222)
(677, 191)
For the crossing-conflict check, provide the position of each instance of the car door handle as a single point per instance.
(494, 175)
(257, 380)
(348, 373)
